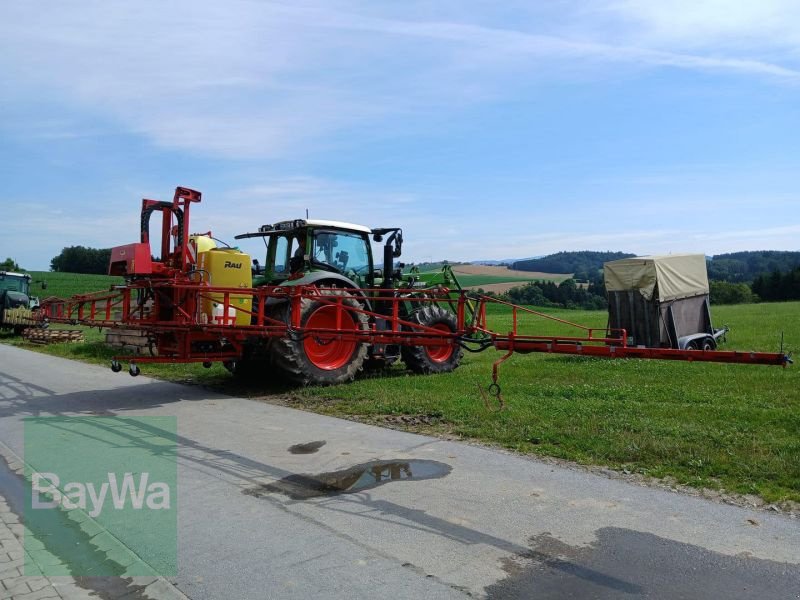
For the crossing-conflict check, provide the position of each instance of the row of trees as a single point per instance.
(778, 286)
(10, 264)
(567, 294)
(744, 267)
(79, 259)
(734, 267)
(735, 278)
(582, 263)
(725, 292)
(775, 287)
(728, 273)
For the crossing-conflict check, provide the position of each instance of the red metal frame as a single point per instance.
(176, 256)
(164, 298)
(170, 312)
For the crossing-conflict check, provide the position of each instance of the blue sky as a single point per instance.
(486, 130)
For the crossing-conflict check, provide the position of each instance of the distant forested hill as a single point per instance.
(744, 267)
(584, 263)
(737, 267)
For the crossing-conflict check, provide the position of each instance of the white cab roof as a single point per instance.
(338, 225)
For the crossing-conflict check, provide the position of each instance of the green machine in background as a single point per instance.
(16, 302)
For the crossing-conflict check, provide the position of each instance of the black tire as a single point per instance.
(703, 344)
(252, 364)
(320, 359)
(433, 359)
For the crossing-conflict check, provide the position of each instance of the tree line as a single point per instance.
(772, 287)
(583, 263)
(745, 267)
(567, 294)
(734, 278)
(10, 264)
(80, 259)
(778, 286)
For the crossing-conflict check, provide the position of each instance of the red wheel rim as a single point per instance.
(441, 353)
(323, 349)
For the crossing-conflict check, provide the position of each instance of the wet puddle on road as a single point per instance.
(307, 448)
(353, 479)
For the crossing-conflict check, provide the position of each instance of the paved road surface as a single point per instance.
(470, 522)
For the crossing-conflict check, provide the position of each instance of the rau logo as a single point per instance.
(232, 265)
(47, 493)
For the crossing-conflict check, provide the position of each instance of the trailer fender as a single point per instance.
(697, 341)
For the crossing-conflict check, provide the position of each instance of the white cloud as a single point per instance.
(702, 23)
(248, 79)
(276, 83)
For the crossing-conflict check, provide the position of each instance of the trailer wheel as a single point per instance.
(433, 359)
(703, 344)
(321, 359)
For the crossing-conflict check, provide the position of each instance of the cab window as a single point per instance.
(14, 284)
(345, 252)
(281, 255)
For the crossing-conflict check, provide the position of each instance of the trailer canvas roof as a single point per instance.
(672, 276)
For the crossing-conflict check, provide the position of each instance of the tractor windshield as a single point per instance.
(346, 252)
(14, 284)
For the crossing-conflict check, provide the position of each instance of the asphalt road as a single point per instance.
(258, 519)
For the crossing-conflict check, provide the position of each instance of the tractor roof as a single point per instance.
(11, 274)
(289, 226)
(300, 223)
(338, 225)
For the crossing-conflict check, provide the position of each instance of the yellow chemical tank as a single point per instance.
(202, 243)
(225, 267)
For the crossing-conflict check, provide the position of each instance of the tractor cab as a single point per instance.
(14, 297)
(306, 251)
(19, 283)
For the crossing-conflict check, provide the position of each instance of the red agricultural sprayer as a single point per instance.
(318, 310)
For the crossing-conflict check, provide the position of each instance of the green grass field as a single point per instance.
(467, 280)
(64, 285)
(707, 425)
(735, 427)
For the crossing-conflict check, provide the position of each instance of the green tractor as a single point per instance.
(16, 302)
(338, 258)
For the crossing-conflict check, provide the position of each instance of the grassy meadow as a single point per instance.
(733, 427)
(474, 280)
(712, 425)
(64, 285)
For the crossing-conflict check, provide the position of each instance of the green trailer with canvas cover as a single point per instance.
(662, 301)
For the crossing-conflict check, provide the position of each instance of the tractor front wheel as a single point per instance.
(441, 358)
(322, 358)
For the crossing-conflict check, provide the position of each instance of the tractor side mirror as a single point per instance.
(398, 246)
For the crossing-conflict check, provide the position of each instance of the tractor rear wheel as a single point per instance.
(321, 358)
(433, 359)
